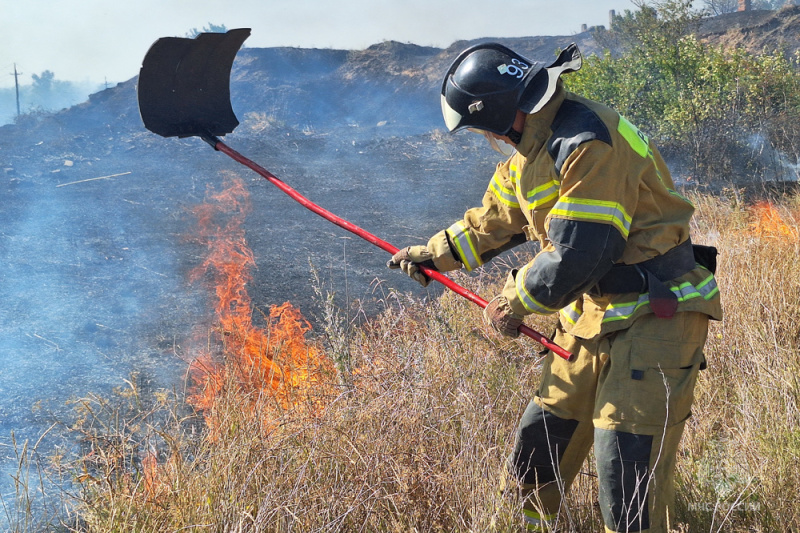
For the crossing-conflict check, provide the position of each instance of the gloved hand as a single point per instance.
(502, 318)
(408, 259)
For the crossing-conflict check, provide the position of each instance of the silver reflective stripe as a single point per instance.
(571, 313)
(504, 194)
(513, 174)
(685, 291)
(707, 289)
(459, 236)
(542, 194)
(527, 300)
(594, 210)
(623, 311)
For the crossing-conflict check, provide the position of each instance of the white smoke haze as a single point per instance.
(42, 97)
(104, 41)
(96, 230)
(90, 289)
(777, 165)
(97, 237)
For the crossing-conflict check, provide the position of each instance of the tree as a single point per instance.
(702, 104)
(771, 4)
(43, 83)
(655, 25)
(720, 7)
(42, 89)
(46, 93)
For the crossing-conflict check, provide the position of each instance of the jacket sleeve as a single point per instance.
(587, 230)
(487, 231)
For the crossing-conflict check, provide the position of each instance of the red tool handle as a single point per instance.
(433, 274)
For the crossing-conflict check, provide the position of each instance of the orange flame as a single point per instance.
(154, 485)
(276, 359)
(768, 222)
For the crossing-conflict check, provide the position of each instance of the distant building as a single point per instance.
(744, 5)
(612, 14)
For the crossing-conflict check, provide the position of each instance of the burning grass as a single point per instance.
(273, 369)
(414, 436)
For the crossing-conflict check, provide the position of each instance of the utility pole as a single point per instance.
(16, 85)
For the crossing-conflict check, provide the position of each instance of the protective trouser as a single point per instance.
(629, 393)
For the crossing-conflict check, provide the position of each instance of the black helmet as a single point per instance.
(488, 83)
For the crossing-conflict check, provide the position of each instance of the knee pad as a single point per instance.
(541, 440)
(625, 479)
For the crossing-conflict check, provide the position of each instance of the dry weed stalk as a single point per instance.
(415, 438)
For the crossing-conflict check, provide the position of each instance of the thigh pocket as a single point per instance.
(661, 379)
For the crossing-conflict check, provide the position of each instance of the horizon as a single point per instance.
(35, 38)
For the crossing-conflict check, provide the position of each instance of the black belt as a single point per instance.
(650, 275)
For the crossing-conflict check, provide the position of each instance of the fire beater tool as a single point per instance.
(184, 91)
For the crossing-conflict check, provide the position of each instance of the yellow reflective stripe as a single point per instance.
(459, 236)
(513, 174)
(542, 194)
(571, 313)
(706, 289)
(585, 209)
(641, 145)
(660, 177)
(626, 310)
(638, 140)
(528, 301)
(504, 194)
(679, 195)
(535, 521)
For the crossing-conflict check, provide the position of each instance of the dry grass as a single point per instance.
(740, 467)
(414, 438)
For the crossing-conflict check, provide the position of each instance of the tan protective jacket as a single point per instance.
(593, 191)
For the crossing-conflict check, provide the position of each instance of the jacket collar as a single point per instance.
(537, 125)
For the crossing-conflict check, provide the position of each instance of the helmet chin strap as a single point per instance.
(501, 147)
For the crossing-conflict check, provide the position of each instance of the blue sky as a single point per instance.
(105, 40)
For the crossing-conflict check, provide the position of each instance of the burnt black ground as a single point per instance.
(94, 272)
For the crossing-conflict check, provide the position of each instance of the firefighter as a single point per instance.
(632, 293)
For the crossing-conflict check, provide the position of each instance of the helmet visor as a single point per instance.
(452, 118)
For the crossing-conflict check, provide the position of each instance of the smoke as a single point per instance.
(96, 213)
(320, 91)
(47, 95)
(775, 164)
(92, 291)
